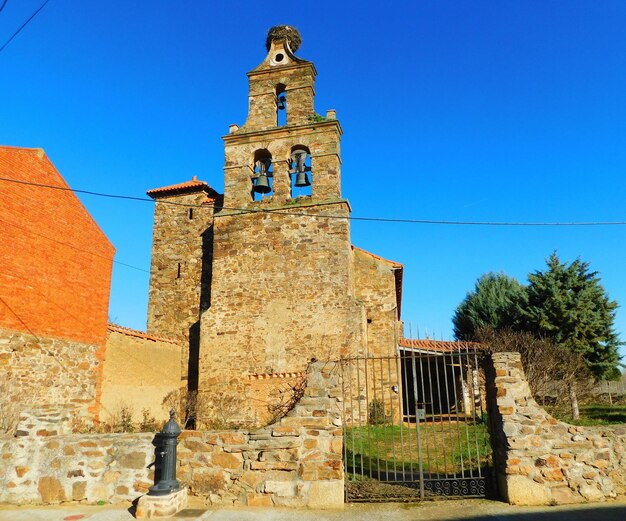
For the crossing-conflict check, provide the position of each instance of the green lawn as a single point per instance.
(447, 447)
(597, 414)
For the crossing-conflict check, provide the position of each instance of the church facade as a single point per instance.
(262, 279)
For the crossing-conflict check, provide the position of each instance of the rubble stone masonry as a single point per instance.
(41, 370)
(295, 462)
(282, 295)
(180, 270)
(540, 460)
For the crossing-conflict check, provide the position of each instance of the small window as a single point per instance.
(191, 213)
(178, 272)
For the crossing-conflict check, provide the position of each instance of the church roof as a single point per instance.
(439, 346)
(188, 186)
(140, 334)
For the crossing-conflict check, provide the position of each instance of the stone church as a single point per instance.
(262, 279)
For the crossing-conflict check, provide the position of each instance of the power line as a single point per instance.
(23, 25)
(3, 4)
(283, 211)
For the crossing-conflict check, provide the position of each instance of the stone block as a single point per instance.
(133, 460)
(79, 490)
(523, 491)
(227, 460)
(280, 488)
(149, 507)
(51, 490)
(258, 500)
(326, 494)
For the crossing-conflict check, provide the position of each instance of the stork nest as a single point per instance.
(279, 32)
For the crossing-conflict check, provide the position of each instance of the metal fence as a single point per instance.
(414, 424)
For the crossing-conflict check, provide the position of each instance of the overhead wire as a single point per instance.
(23, 25)
(91, 252)
(283, 211)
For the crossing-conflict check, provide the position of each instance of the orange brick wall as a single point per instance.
(55, 262)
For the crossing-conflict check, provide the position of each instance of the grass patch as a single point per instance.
(447, 447)
(596, 414)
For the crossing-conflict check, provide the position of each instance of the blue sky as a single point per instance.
(451, 110)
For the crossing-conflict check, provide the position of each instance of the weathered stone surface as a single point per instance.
(113, 467)
(326, 494)
(226, 460)
(33, 380)
(133, 460)
(51, 490)
(150, 507)
(541, 460)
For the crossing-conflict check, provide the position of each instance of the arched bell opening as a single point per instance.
(300, 171)
(281, 105)
(262, 179)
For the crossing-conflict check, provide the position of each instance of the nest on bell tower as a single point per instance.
(280, 32)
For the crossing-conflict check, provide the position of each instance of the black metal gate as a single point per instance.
(414, 423)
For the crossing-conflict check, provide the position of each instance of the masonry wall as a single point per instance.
(375, 286)
(540, 460)
(138, 373)
(295, 462)
(41, 370)
(55, 281)
(282, 295)
(180, 272)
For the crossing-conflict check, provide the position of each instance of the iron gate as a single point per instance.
(414, 423)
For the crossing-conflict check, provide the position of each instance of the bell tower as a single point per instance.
(269, 161)
(282, 289)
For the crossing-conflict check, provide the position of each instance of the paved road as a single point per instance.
(471, 510)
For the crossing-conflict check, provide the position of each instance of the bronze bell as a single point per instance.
(302, 179)
(262, 185)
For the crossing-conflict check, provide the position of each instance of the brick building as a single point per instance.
(55, 275)
(258, 281)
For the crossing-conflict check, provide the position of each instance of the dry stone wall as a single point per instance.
(295, 462)
(540, 460)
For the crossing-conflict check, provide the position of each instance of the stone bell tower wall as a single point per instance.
(180, 270)
(322, 141)
(282, 295)
(282, 274)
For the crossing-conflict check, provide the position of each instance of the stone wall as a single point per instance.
(375, 282)
(180, 271)
(540, 460)
(139, 371)
(282, 295)
(295, 462)
(38, 371)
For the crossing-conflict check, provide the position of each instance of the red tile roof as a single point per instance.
(398, 273)
(439, 346)
(386, 261)
(188, 186)
(140, 334)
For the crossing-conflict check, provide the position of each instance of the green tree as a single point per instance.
(568, 305)
(495, 302)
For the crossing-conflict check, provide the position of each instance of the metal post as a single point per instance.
(165, 443)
